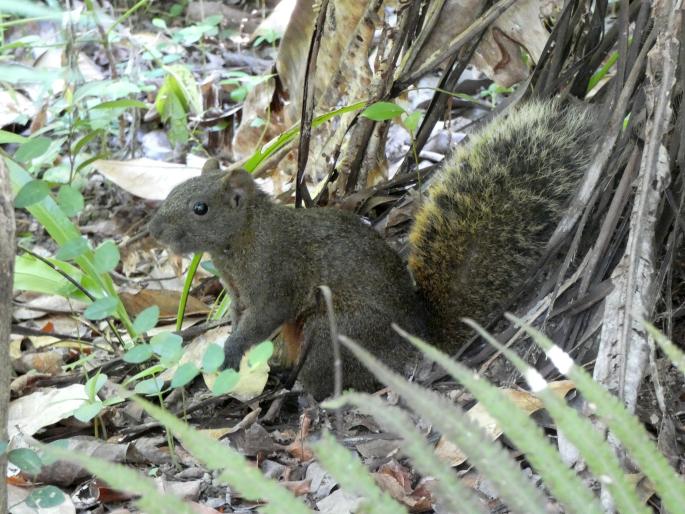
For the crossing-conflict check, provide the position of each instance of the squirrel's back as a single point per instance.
(491, 213)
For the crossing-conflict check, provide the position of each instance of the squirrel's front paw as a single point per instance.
(232, 357)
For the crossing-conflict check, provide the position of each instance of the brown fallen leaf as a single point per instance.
(529, 403)
(166, 300)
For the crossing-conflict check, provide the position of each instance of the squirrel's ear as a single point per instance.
(211, 165)
(240, 187)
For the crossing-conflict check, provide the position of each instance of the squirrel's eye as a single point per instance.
(200, 208)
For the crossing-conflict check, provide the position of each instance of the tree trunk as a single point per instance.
(6, 268)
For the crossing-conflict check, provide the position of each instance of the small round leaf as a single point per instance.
(88, 411)
(70, 200)
(147, 319)
(149, 387)
(225, 382)
(137, 354)
(106, 256)
(213, 358)
(101, 308)
(260, 353)
(45, 497)
(72, 249)
(26, 459)
(184, 374)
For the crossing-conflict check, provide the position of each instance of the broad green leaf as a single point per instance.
(101, 308)
(85, 140)
(107, 256)
(26, 459)
(70, 200)
(184, 375)
(34, 147)
(88, 411)
(225, 382)
(382, 111)
(45, 497)
(31, 274)
(32, 192)
(260, 353)
(122, 103)
(10, 137)
(213, 358)
(147, 319)
(72, 249)
(139, 353)
(149, 387)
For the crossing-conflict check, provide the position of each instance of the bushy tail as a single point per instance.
(493, 209)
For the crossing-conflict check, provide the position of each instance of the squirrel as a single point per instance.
(488, 217)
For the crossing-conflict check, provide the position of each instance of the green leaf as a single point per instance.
(106, 256)
(10, 137)
(149, 387)
(31, 274)
(455, 496)
(411, 122)
(225, 382)
(72, 249)
(184, 375)
(34, 147)
(168, 346)
(26, 459)
(70, 200)
(88, 411)
(159, 23)
(213, 358)
(122, 103)
(101, 308)
(525, 433)
(85, 140)
(382, 111)
(147, 319)
(45, 497)
(210, 267)
(32, 192)
(94, 384)
(139, 353)
(260, 353)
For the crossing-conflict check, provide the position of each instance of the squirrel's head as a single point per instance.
(204, 213)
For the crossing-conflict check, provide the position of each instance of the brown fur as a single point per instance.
(485, 223)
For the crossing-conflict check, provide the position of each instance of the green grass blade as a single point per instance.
(626, 427)
(456, 497)
(236, 471)
(353, 476)
(675, 355)
(598, 455)
(126, 479)
(526, 435)
(491, 459)
(194, 263)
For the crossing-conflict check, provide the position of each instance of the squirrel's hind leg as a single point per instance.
(374, 334)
